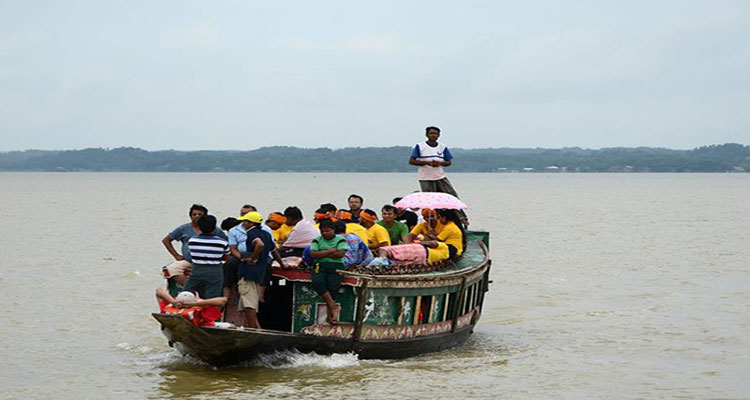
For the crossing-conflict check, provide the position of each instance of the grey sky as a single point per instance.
(241, 75)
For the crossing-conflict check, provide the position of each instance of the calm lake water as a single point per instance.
(605, 286)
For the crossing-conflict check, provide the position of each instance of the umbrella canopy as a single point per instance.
(431, 200)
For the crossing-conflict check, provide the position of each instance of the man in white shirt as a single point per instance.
(431, 156)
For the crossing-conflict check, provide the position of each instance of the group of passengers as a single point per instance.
(212, 263)
(335, 240)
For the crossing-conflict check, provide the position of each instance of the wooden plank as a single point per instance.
(432, 310)
(361, 300)
(401, 312)
(459, 305)
(417, 308)
(472, 295)
(445, 307)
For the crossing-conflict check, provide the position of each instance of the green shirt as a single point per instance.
(396, 231)
(338, 243)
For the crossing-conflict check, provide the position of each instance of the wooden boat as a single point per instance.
(382, 316)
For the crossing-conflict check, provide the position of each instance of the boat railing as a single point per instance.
(420, 277)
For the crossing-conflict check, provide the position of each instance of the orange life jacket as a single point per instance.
(192, 314)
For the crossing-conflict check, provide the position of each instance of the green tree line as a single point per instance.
(730, 157)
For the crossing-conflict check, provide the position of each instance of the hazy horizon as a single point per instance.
(396, 145)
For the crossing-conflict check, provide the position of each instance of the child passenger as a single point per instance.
(327, 251)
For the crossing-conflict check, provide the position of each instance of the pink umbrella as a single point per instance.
(431, 200)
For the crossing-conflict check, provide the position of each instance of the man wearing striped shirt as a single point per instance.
(207, 252)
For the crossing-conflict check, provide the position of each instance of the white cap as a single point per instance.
(185, 297)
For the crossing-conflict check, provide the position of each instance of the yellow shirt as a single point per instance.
(422, 228)
(437, 254)
(358, 230)
(451, 234)
(376, 234)
(282, 234)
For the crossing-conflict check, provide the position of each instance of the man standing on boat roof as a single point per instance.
(431, 156)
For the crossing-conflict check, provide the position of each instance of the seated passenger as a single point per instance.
(283, 232)
(328, 251)
(453, 233)
(405, 254)
(329, 208)
(408, 217)
(196, 310)
(377, 236)
(429, 229)
(358, 252)
(274, 221)
(436, 251)
(323, 213)
(355, 206)
(352, 227)
(302, 235)
(397, 231)
(426, 252)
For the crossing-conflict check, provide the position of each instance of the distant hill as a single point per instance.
(730, 157)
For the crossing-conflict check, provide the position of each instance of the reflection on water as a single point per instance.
(632, 285)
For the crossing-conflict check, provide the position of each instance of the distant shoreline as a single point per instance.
(730, 157)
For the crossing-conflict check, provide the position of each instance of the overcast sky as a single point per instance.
(243, 74)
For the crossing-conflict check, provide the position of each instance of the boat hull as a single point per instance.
(222, 347)
(390, 316)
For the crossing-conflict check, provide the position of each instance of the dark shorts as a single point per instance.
(452, 251)
(231, 270)
(325, 278)
(207, 281)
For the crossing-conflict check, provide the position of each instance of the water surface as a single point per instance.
(605, 286)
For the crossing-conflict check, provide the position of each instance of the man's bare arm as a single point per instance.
(321, 253)
(337, 253)
(167, 242)
(163, 294)
(256, 252)
(216, 301)
(377, 246)
(235, 252)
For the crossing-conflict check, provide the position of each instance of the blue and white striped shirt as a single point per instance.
(207, 250)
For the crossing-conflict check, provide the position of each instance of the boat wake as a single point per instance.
(295, 359)
(288, 359)
(147, 355)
